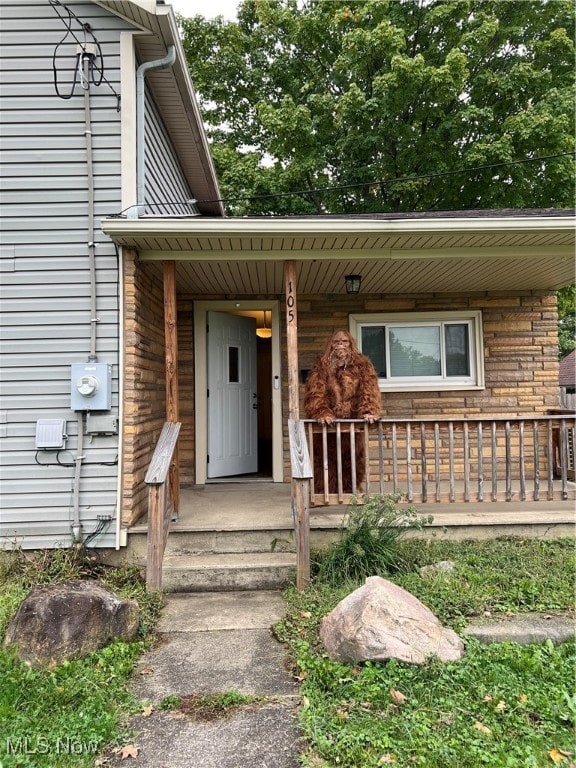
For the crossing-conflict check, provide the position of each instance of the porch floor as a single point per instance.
(260, 506)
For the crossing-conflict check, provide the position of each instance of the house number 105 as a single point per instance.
(290, 301)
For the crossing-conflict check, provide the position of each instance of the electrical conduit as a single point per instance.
(84, 66)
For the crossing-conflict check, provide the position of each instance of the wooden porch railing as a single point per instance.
(301, 478)
(446, 460)
(567, 400)
(159, 508)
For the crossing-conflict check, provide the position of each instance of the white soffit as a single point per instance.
(333, 238)
(403, 255)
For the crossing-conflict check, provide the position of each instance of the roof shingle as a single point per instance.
(567, 374)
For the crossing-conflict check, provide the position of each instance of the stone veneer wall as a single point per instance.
(520, 351)
(144, 381)
(520, 358)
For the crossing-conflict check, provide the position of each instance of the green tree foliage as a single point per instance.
(566, 320)
(387, 98)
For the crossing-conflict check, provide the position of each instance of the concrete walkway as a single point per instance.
(524, 628)
(215, 642)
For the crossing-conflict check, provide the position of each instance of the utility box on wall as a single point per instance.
(101, 424)
(50, 434)
(91, 387)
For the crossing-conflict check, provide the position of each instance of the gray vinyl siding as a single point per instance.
(166, 188)
(45, 307)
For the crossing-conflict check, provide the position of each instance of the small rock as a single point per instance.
(379, 621)
(63, 621)
(444, 566)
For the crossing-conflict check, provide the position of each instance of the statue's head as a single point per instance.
(340, 349)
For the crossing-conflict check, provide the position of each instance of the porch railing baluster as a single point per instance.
(424, 461)
(512, 456)
(339, 462)
(451, 460)
(466, 463)
(494, 462)
(381, 456)
(353, 458)
(437, 460)
(508, 463)
(564, 457)
(311, 454)
(367, 455)
(550, 462)
(535, 433)
(480, 462)
(325, 462)
(410, 495)
(394, 459)
(522, 462)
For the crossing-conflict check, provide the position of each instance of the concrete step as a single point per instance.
(457, 522)
(213, 552)
(191, 542)
(228, 571)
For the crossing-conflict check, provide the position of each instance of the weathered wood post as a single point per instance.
(300, 473)
(171, 358)
(159, 513)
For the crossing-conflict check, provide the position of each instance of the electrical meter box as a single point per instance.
(91, 387)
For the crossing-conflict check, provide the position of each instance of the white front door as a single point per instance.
(232, 395)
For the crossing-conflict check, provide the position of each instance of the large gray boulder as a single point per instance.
(380, 621)
(63, 621)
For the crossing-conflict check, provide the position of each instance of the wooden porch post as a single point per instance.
(300, 485)
(171, 358)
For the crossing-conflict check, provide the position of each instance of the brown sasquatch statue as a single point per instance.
(342, 385)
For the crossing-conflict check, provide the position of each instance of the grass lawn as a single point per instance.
(503, 705)
(64, 717)
(500, 706)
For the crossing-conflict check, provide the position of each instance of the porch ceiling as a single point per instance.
(406, 254)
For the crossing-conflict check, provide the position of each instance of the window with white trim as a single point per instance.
(423, 350)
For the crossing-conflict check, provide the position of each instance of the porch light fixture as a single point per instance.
(265, 332)
(353, 283)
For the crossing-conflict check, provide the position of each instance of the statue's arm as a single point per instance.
(316, 400)
(371, 398)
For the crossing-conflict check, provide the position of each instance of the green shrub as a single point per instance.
(369, 536)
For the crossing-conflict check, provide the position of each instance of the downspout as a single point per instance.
(137, 211)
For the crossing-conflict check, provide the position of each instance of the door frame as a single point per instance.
(201, 308)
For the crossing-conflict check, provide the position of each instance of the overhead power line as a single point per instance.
(380, 182)
(373, 182)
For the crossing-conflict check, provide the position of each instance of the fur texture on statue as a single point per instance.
(342, 385)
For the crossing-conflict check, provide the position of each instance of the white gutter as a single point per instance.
(211, 227)
(141, 72)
